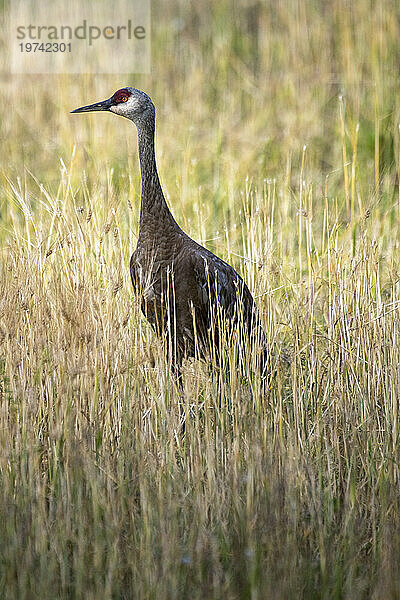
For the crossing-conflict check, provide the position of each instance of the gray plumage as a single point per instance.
(189, 295)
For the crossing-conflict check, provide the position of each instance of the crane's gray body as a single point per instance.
(192, 298)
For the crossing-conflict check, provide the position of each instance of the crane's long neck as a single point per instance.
(155, 216)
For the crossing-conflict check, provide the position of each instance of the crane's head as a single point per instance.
(127, 102)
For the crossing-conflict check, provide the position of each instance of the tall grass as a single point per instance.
(278, 148)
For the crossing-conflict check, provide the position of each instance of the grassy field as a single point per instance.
(278, 148)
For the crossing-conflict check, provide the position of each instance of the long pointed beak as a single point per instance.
(105, 105)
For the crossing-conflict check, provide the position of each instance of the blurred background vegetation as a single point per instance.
(278, 148)
(240, 87)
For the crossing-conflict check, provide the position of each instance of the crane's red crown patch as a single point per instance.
(121, 96)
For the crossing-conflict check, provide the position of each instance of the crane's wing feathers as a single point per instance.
(221, 291)
(220, 288)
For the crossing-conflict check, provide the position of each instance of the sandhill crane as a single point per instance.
(190, 296)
